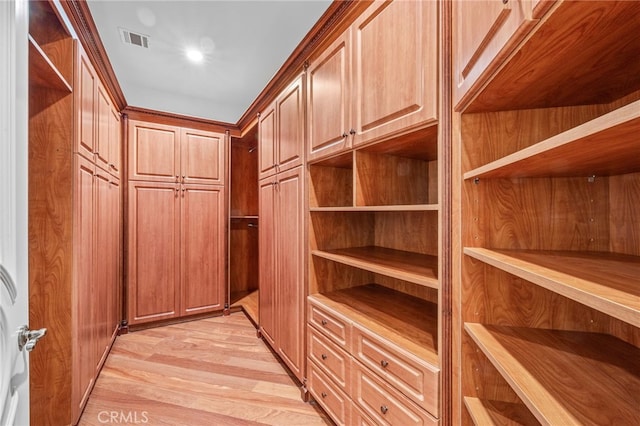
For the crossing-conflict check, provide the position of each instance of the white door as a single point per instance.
(14, 364)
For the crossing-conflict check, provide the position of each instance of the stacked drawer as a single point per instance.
(361, 378)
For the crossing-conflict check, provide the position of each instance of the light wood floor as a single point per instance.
(208, 372)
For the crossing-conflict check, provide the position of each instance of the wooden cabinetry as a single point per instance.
(281, 129)
(376, 79)
(74, 224)
(282, 284)
(550, 251)
(176, 222)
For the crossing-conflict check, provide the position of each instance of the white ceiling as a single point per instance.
(245, 43)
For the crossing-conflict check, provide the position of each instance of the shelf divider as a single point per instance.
(565, 377)
(607, 282)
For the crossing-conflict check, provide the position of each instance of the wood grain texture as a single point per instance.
(326, 275)
(243, 255)
(414, 231)
(593, 47)
(42, 71)
(333, 230)
(244, 176)
(487, 412)
(333, 399)
(154, 152)
(566, 355)
(213, 371)
(330, 186)
(603, 281)
(248, 301)
(267, 142)
(202, 157)
(290, 125)
(407, 266)
(624, 197)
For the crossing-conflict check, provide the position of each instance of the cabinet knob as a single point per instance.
(384, 409)
(505, 1)
(384, 363)
(324, 356)
(324, 322)
(323, 395)
(344, 135)
(177, 178)
(352, 131)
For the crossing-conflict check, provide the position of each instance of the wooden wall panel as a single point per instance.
(243, 254)
(624, 199)
(244, 178)
(329, 276)
(333, 230)
(415, 231)
(425, 293)
(330, 186)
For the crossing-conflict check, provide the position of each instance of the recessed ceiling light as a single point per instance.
(195, 55)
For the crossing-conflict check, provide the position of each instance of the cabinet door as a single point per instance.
(154, 225)
(202, 248)
(103, 263)
(85, 88)
(395, 68)
(267, 142)
(115, 142)
(103, 124)
(290, 130)
(84, 295)
(202, 157)
(267, 259)
(290, 297)
(328, 100)
(114, 299)
(154, 152)
(485, 32)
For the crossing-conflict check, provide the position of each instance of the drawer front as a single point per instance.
(412, 376)
(330, 358)
(358, 418)
(335, 403)
(330, 325)
(382, 403)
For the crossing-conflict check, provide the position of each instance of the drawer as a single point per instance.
(358, 418)
(335, 402)
(382, 403)
(333, 361)
(330, 324)
(411, 375)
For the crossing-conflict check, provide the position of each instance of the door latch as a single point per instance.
(27, 339)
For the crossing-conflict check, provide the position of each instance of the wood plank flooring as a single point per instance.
(207, 372)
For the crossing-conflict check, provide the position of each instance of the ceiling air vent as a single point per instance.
(129, 37)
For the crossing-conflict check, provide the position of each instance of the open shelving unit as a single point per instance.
(549, 294)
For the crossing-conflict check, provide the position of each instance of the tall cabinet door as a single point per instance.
(114, 314)
(290, 269)
(267, 149)
(103, 264)
(202, 248)
(154, 271)
(395, 68)
(115, 142)
(154, 152)
(267, 259)
(85, 88)
(328, 100)
(202, 157)
(103, 127)
(290, 122)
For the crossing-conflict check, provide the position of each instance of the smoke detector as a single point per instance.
(129, 37)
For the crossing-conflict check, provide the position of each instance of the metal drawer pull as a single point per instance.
(384, 363)
(323, 395)
(384, 409)
(324, 356)
(324, 322)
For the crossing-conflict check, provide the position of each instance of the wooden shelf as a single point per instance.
(606, 282)
(598, 147)
(486, 413)
(42, 72)
(248, 301)
(244, 217)
(405, 320)
(566, 377)
(394, 208)
(417, 268)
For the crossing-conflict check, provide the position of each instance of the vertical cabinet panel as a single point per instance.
(202, 157)
(290, 120)
(103, 125)
(267, 259)
(290, 271)
(115, 142)
(267, 142)
(154, 152)
(85, 106)
(394, 68)
(154, 221)
(328, 100)
(202, 248)
(103, 265)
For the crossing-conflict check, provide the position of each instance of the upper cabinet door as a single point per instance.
(202, 157)
(85, 88)
(154, 152)
(290, 130)
(328, 100)
(486, 32)
(115, 142)
(267, 142)
(103, 121)
(395, 73)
